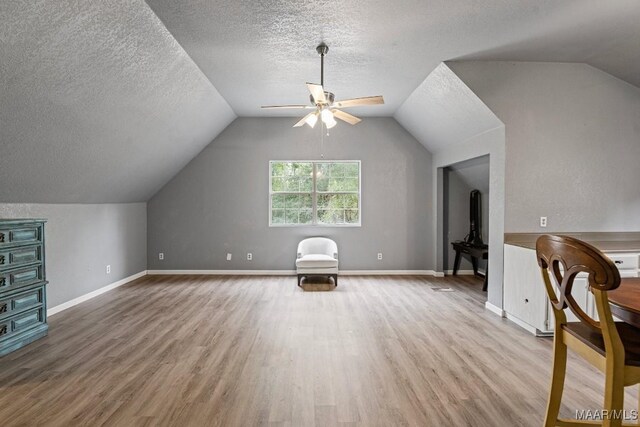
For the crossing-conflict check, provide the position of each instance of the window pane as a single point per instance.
(350, 184)
(292, 201)
(277, 169)
(292, 184)
(322, 184)
(351, 201)
(292, 216)
(277, 201)
(306, 184)
(277, 184)
(303, 169)
(277, 216)
(351, 216)
(306, 216)
(338, 169)
(306, 201)
(351, 170)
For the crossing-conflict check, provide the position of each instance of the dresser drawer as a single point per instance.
(21, 322)
(625, 262)
(14, 279)
(16, 303)
(16, 257)
(20, 235)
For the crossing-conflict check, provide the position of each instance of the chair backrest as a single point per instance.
(318, 245)
(565, 257)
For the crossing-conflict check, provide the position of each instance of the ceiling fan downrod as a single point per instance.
(322, 50)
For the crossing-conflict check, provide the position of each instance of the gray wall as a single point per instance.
(82, 239)
(572, 144)
(219, 202)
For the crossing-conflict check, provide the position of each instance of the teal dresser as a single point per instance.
(23, 299)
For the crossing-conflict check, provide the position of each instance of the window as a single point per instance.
(314, 193)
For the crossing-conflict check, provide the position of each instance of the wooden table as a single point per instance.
(476, 253)
(625, 301)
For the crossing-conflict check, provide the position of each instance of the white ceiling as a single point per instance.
(259, 52)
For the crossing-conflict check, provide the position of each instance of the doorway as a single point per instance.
(459, 180)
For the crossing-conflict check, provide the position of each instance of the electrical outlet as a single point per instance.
(379, 256)
(228, 257)
(161, 256)
(543, 221)
(249, 256)
(108, 269)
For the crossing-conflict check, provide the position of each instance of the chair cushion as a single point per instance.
(316, 261)
(629, 335)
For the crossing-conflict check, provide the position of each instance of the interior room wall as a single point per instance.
(572, 144)
(81, 240)
(219, 202)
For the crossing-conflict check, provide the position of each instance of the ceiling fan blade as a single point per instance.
(346, 117)
(317, 91)
(303, 120)
(287, 106)
(356, 102)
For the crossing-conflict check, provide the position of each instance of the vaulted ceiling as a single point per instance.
(105, 101)
(258, 52)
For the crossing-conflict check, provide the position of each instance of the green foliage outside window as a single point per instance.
(334, 186)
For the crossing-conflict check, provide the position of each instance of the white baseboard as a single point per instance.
(494, 309)
(459, 273)
(387, 273)
(223, 272)
(293, 272)
(58, 308)
(522, 324)
(464, 272)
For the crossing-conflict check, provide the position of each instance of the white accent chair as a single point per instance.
(317, 256)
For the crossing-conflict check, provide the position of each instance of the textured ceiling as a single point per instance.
(443, 111)
(258, 52)
(474, 173)
(98, 102)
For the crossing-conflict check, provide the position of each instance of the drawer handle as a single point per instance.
(3, 309)
(1, 237)
(526, 300)
(3, 330)
(618, 261)
(3, 281)
(1, 259)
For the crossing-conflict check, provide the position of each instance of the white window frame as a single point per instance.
(314, 194)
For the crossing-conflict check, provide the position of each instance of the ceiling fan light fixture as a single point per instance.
(327, 116)
(330, 123)
(312, 120)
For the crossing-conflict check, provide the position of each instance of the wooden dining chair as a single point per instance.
(612, 347)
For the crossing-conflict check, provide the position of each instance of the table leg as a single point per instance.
(474, 263)
(486, 278)
(456, 263)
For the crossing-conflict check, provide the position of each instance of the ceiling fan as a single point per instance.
(323, 102)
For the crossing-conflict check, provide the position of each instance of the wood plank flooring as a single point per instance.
(244, 351)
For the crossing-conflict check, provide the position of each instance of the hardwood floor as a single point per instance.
(241, 350)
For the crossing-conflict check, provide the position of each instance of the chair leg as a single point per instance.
(557, 380)
(335, 279)
(299, 279)
(638, 420)
(614, 394)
